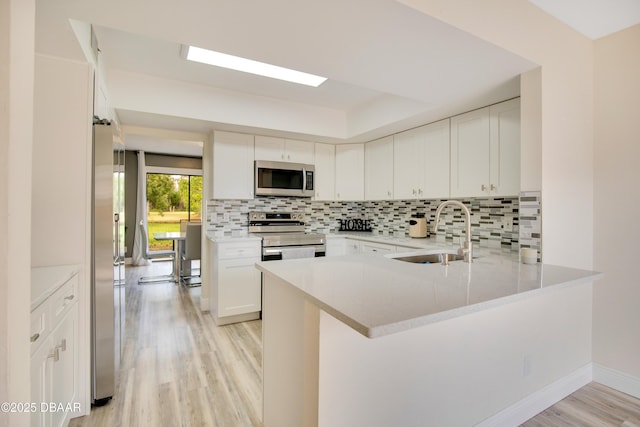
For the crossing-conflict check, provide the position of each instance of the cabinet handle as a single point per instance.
(420, 191)
(35, 337)
(63, 344)
(55, 354)
(493, 187)
(483, 187)
(69, 298)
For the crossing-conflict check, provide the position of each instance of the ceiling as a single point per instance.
(594, 18)
(389, 67)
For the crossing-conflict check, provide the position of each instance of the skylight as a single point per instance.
(254, 67)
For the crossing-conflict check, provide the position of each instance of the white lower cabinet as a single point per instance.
(54, 357)
(336, 246)
(376, 248)
(236, 292)
(351, 247)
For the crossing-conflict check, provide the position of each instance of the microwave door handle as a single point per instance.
(304, 180)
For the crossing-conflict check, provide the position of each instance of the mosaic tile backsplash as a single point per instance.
(531, 221)
(494, 221)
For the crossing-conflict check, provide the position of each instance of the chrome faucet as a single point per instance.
(466, 250)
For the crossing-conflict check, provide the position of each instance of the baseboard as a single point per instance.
(540, 400)
(616, 380)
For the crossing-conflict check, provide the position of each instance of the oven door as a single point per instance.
(292, 252)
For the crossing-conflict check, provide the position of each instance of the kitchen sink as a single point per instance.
(436, 258)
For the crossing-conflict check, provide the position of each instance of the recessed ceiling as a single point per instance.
(593, 18)
(389, 67)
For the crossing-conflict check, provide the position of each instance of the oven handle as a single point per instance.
(278, 250)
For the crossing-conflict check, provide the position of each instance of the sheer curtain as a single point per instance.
(140, 243)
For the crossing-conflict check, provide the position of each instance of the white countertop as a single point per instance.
(46, 280)
(377, 296)
(243, 237)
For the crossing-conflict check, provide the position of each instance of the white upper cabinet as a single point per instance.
(378, 168)
(283, 150)
(436, 160)
(233, 155)
(421, 162)
(350, 172)
(470, 154)
(485, 151)
(408, 155)
(505, 148)
(325, 175)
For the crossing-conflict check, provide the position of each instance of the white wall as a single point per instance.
(617, 202)
(17, 23)
(61, 172)
(531, 131)
(61, 209)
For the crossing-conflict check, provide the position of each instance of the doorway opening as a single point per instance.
(171, 199)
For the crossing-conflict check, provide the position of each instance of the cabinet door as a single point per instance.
(352, 247)
(378, 169)
(408, 166)
(233, 156)
(41, 362)
(325, 176)
(350, 172)
(239, 287)
(435, 169)
(470, 154)
(505, 148)
(298, 151)
(336, 246)
(269, 148)
(64, 375)
(376, 248)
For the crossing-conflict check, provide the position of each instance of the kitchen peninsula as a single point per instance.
(372, 340)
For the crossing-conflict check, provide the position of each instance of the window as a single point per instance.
(170, 200)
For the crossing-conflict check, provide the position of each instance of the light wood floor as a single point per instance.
(180, 369)
(593, 405)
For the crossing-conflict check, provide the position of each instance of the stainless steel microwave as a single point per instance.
(284, 179)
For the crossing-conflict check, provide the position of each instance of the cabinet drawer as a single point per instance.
(63, 299)
(238, 250)
(40, 325)
(376, 248)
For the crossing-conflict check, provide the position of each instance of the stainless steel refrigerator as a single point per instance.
(107, 272)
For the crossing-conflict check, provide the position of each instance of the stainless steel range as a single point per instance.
(283, 236)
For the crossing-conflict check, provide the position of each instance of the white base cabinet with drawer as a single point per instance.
(236, 291)
(54, 355)
(376, 248)
(337, 246)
